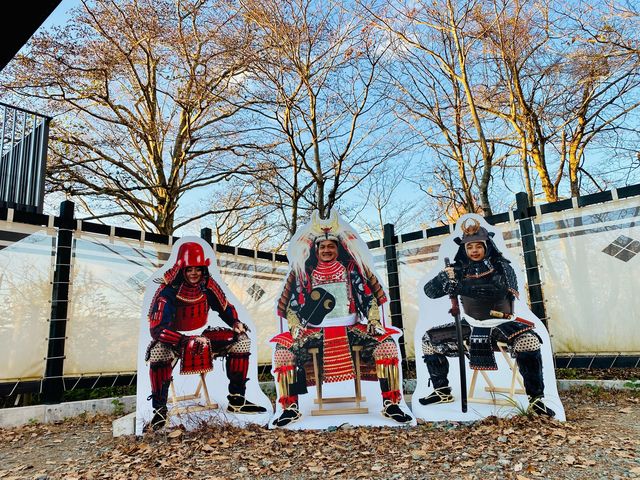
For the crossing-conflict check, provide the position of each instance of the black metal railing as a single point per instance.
(24, 137)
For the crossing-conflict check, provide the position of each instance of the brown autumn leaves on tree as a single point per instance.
(507, 85)
(272, 109)
(316, 71)
(141, 92)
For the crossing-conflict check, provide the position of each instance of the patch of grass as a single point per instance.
(633, 385)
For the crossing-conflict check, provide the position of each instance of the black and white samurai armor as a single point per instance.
(487, 286)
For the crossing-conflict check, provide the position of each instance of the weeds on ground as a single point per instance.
(118, 406)
(633, 385)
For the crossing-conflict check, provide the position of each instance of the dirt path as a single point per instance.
(600, 440)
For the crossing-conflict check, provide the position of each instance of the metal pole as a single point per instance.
(206, 234)
(391, 257)
(53, 385)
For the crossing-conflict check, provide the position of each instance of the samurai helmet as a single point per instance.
(325, 229)
(319, 229)
(473, 232)
(191, 254)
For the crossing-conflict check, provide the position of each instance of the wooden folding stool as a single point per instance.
(507, 394)
(320, 400)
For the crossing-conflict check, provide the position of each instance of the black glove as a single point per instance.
(449, 285)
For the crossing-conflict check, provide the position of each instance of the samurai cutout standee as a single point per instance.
(496, 327)
(332, 302)
(179, 309)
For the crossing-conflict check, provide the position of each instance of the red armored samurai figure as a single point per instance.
(331, 301)
(182, 304)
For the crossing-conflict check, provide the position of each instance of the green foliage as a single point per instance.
(633, 385)
(520, 409)
(118, 406)
(95, 393)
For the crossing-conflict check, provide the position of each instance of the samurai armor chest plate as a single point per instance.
(480, 308)
(332, 278)
(192, 308)
(318, 305)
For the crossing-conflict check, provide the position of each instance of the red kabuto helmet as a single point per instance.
(191, 254)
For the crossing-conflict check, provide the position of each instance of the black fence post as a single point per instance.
(53, 386)
(527, 237)
(206, 235)
(391, 258)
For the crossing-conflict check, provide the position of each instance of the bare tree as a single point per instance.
(603, 74)
(439, 49)
(519, 36)
(604, 90)
(558, 95)
(384, 199)
(143, 93)
(316, 69)
(247, 221)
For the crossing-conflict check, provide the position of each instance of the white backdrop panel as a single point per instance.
(107, 288)
(256, 283)
(26, 272)
(590, 276)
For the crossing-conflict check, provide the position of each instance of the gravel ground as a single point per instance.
(600, 440)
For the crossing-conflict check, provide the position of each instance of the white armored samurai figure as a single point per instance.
(331, 301)
(487, 286)
(181, 304)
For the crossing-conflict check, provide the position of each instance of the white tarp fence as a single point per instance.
(591, 277)
(589, 261)
(106, 295)
(27, 256)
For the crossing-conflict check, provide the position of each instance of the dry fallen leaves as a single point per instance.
(597, 437)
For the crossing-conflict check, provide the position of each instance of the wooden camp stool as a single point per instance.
(320, 400)
(201, 393)
(507, 394)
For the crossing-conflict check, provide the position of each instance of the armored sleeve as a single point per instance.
(510, 277)
(437, 287)
(287, 292)
(162, 317)
(374, 285)
(361, 291)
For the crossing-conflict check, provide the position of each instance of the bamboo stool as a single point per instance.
(320, 400)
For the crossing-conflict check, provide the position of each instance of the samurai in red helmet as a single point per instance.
(181, 304)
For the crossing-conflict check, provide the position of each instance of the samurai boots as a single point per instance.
(239, 404)
(539, 408)
(288, 415)
(530, 367)
(439, 395)
(438, 366)
(159, 419)
(394, 412)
